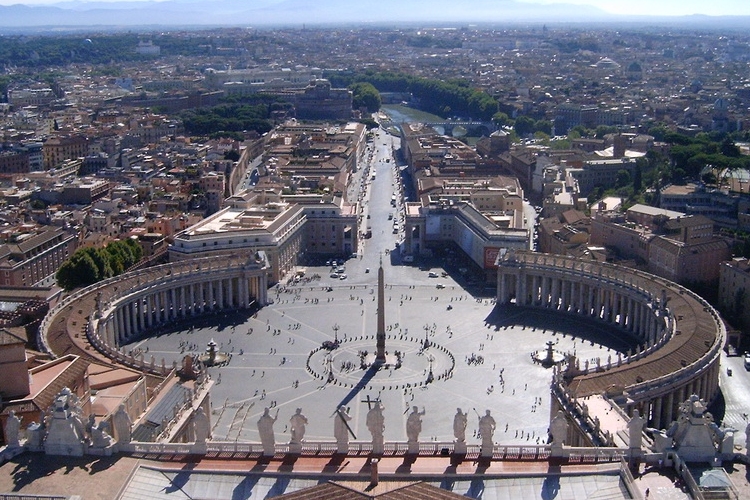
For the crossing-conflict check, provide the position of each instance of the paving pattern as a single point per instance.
(480, 356)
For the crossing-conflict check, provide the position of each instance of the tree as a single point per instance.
(89, 265)
(501, 119)
(623, 178)
(365, 95)
(79, 270)
(524, 126)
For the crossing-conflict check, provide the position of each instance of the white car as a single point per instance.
(432, 274)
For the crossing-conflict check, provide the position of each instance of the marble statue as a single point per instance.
(100, 438)
(413, 428)
(487, 427)
(635, 430)
(201, 426)
(341, 429)
(35, 436)
(414, 424)
(460, 422)
(297, 426)
(376, 425)
(265, 429)
(559, 429)
(123, 425)
(12, 430)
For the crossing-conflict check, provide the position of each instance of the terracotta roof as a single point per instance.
(7, 338)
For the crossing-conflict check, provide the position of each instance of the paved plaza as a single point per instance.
(453, 349)
(479, 355)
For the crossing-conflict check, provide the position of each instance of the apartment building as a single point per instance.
(669, 244)
(32, 257)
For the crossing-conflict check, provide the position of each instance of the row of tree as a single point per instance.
(89, 265)
(228, 118)
(443, 98)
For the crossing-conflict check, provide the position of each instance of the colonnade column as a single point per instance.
(230, 295)
(657, 413)
(245, 292)
(148, 309)
(120, 322)
(555, 293)
(128, 308)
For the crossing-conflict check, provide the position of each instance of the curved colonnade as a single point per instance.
(127, 306)
(680, 335)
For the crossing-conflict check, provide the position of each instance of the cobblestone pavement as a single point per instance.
(480, 357)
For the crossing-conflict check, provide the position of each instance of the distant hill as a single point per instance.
(287, 12)
(71, 14)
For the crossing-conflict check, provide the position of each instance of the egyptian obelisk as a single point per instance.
(380, 335)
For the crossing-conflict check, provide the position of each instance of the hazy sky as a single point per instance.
(642, 7)
(664, 7)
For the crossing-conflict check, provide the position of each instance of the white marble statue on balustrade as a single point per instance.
(35, 433)
(297, 426)
(12, 430)
(122, 425)
(201, 426)
(635, 430)
(559, 429)
(460, 422)
(265, 430)
(413, 428)
(376, 425)
(414, 424)
(341, 429)
(487, 426)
